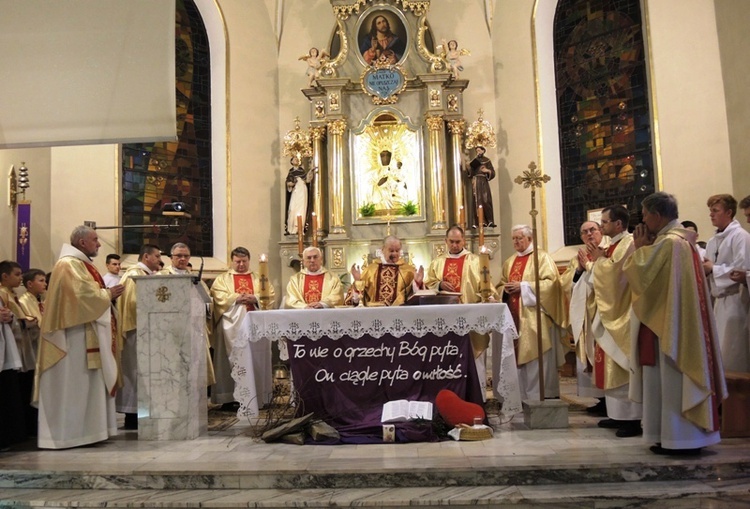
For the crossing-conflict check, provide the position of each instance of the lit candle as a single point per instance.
(480, 216)
(300, 234)
(264, 294)
(315, 229)
(461, 217)
(485, 278)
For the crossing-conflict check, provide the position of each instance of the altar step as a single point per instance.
(661, 494)
(707, 482)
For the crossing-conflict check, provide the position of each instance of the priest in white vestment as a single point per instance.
(677, 370)
(235, 294)
(728, 250)
(517, 283)
(127, 340)
(76, 373)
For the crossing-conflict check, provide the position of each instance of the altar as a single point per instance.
(429, 343)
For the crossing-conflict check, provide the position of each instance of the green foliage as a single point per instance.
(408, 209)
(367, 210)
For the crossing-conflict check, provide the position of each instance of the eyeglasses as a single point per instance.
(180, 256)
(590, 230)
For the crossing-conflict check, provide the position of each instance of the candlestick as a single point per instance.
(485, 278)
(480, 218)
(461, 217)
(300, 235)
(314, 229)
(264, 292)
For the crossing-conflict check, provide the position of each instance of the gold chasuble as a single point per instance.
(76, 296)
(10, 301)
(612, 297)
(671, 298)
(384, 284)
(462, 272)
(31, 306)
(229, 285)
(521, 268)
(305, 288)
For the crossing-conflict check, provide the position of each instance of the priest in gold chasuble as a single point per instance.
(313, 287)
(458, 270)
(579, 295)
(234, 295)
(385, 282)
(517, 286)
(76, 372)
(127, 395)
(614, 324)
(682, 379)
(179, 254)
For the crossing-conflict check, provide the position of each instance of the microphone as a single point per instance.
(197, 279)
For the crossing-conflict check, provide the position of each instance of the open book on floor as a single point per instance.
(402, 410)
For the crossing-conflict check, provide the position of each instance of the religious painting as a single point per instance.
(382, 34)
(387, 170)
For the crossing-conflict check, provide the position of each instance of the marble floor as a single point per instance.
(581, 466)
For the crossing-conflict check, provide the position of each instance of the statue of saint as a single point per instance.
(297, 189)
(480, 172)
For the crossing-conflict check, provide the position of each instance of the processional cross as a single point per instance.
(533, 178)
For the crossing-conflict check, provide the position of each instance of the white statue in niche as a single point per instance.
(297, 190)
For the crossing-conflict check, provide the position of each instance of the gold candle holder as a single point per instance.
(300, 235)
(480, 219)
(485, 278)
(264, 293)
(314, 229)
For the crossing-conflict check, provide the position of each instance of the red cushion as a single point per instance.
(455, 410)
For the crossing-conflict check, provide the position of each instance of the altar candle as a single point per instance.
(300, 234)
(461, 217)
(480, 217)
(263, 277)
(314, 229)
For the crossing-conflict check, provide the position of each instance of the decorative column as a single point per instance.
(456, 129)
(318, 133)
(336, 129)
(438, 178)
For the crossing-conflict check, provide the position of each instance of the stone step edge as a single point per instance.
(573, 495)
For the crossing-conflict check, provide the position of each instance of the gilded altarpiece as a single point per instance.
(387, 123)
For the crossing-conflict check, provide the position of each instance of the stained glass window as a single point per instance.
(156, 174)
(603, 111)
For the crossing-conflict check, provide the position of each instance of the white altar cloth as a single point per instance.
(293, 324)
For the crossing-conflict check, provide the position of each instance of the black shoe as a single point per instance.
(598, 409)
(131, 422)
(630, 429)
(234, 406)
(610, 424)
(658, 449)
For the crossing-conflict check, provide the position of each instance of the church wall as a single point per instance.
(38, 162)
(689, 104)
(253, 97)
(732, 20)
(84, 187)
(516, 121)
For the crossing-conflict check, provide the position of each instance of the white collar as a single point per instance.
(526, 251)
(463, 252)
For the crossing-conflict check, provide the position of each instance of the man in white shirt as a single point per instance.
(112, 277)
(729, 250)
